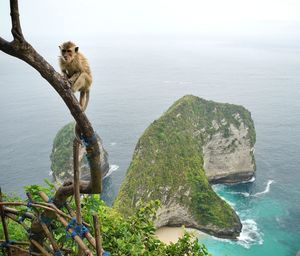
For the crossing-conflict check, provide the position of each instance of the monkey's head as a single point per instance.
(68, 51)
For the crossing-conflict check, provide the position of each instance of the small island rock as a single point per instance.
(62, 156)
(194, 143)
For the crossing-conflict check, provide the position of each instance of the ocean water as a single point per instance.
(135, 80)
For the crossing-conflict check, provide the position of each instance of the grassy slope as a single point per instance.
(169, 154)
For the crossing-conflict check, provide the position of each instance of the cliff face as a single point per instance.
(230, 159)
(62, 156)
(169, 159)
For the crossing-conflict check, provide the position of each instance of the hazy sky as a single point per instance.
(216, 17)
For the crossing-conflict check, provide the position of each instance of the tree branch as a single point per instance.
(21, 49)
(16, 29)
(4, 45)
(27, 53)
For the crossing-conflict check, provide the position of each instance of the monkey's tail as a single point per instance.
(84, 99)
(87, 98)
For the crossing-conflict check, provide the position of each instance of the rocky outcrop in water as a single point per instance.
(194, 142)
(62, 156)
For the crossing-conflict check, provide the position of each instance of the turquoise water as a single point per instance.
(269, 207)
(270, 221)
(264, 231)
(135, 81)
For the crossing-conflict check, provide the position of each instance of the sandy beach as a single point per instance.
(171, 234)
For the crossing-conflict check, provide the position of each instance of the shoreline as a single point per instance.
(170, 235)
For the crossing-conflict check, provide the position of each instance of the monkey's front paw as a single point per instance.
(70, 81)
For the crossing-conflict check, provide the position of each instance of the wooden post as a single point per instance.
(97, 235)
(4, 225)
(76, 180)
(76, 145)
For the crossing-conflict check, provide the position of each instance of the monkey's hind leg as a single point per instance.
(82, 83)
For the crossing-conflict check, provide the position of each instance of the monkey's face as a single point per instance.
(68, 53)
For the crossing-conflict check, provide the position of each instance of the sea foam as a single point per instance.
(112, 169)
(245, 194)
(267, 189)
(249, 181)
(250, 234)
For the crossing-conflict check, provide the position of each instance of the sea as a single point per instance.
(136, 79)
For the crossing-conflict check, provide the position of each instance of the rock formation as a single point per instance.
(230, 159)
(62, 156)
(171, 157)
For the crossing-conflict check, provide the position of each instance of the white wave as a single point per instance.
(267, 189)
(50, 173)
(250, 234)
(112, 169)
(245, 194)
(252, 179)
(249, 181)
(113, 143)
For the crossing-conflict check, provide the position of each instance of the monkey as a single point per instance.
(75, 68)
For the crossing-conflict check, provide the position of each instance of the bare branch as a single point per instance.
(15, 21)
(24, 51)
(4, 45)
(21, 49)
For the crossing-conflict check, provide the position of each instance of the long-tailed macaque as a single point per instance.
(76, 69)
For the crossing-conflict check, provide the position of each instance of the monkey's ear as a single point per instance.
(76, 49)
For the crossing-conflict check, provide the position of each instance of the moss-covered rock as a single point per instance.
(168, 165)
(62, 156)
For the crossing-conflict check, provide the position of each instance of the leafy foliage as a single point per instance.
(121, 236)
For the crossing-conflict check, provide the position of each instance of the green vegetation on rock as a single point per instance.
(62, 150)
(120, 236)
(168, 165)
(62, 155)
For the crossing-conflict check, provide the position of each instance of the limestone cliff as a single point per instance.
(170, 157)
(62, 156)
(229, 158)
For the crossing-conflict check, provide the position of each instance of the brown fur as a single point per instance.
(75, 67)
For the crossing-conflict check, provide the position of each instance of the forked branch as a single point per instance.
(21, 49)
